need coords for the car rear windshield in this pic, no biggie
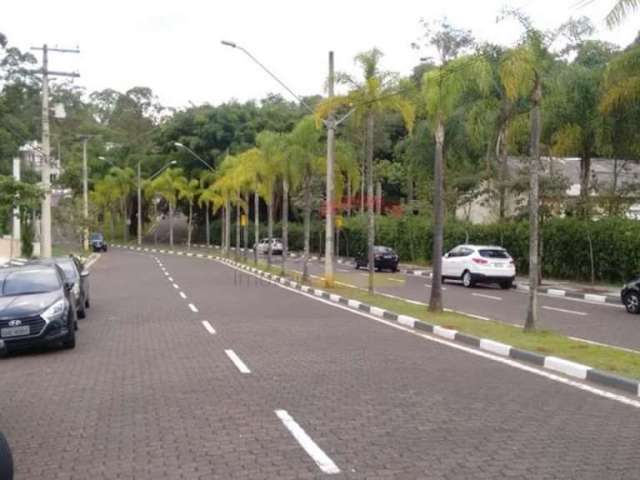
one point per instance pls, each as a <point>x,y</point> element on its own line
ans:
<point>493,253</point>
<point>97,236</point>
<point>383,250</point>
<point>29,282</point>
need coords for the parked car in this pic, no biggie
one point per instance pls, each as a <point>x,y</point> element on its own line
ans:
<point>630,296</point>
<point>385,258</point>
<point>479,264</point>
<point>36,308</point>
<point>75,273</point>
<point>263,246</point>
<point>6,460</point>
<point>97,242</point>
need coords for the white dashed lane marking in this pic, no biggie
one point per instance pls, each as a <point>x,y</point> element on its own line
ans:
<point>182,294</point>
<point>573,312</point>
<point>482,295</point>
<point>240,365</point>
<point>208,327</point>
<point>193,308</point>
<point>176,286</point>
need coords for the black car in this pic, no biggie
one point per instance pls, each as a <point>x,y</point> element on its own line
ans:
<point>36,308</point>
<point>75,273</point>
<point>384,258</point>
<point>97,242</point>
<point>630,296</point>
<point>6,460</point>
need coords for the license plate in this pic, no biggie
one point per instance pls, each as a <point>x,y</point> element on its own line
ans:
<point>14,331</point>
<point>498,265</point>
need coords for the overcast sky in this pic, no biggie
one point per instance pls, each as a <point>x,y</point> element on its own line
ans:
<point>174,46</point>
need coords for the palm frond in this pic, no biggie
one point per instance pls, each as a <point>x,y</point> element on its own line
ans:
<point>620,12</point>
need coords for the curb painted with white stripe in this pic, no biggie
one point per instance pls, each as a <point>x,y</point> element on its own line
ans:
<point>567,367</point>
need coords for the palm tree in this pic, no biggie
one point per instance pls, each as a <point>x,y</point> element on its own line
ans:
<point>522,74</point>
<point>206,178</point>
<point>442,91</point>
<point>188,190</point>
<point>622,80</point>
<point>270,144</point>
<point>377,93</point>
<point>224,186</point>
<point>212,201</point>
<point>166,185</point>
<point>306,147</point>
<point>123,178</point>
<point>620,11</point>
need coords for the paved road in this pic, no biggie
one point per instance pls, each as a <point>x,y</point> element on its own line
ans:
<point>150,393</point>
<point>609,324</point>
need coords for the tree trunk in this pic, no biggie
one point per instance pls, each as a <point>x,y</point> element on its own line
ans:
<point>435,301</point>
<point>125,233</point>
<point>533,307</point>
<point>307,227</point>
<point>269,229</point>
<point>371,219</point>
<point>502,171</point>
<point>285,224</point>
<point>348,195</point>
<point>227,225</point>
<point>245,228</point>
<point>222,229</point>
<point>585,177</point>
<point>236,253</point>
<point>207,224</point>
<point>171,212</point>
<point>256,219</point>
<point>362,185</point>
<point>189,225</point>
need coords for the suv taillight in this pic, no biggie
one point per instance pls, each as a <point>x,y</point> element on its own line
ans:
<point>479,261</point>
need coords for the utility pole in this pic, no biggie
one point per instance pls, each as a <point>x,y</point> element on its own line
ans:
<point>331,154</point>
<point>45,214</point>
<point>139,206</point>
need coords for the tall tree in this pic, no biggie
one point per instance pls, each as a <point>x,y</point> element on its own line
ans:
<point>375,93</point>
<point>166,185</point>
<point>188,190</point>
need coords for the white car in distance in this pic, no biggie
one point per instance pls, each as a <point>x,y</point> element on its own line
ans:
<point>479,264</point>
<point>276,246</point>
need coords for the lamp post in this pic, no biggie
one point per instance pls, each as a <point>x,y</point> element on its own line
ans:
<point>193,154</point>
<point>330,124</point>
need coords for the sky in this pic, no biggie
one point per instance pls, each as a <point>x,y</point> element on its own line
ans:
<point>174,47</point>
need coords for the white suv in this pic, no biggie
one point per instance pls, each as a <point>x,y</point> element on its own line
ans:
<point>276,246</point>
<point>479,264</point>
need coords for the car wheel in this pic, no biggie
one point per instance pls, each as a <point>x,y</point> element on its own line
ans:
<point>69,341</point>
<point>632,302</point>
<point>394,269</point>
<point>87,303</point>
<point>506,285</point>
<point>467,279</point>
<point>6,461</point>
<point>357,266</point>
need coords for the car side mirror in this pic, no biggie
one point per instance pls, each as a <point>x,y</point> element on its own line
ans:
<point>84,273</point>
<point>446,255</point>
<point>68,286</point>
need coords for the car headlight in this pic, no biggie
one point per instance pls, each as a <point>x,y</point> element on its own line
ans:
<point>55,311</point>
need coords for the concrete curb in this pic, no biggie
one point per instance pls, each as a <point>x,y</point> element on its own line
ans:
<point>555,364</point>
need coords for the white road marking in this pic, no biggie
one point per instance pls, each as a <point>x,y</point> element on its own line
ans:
<point>505,361</point>
<point>170,279</point>
<point>343,270</point>
<point>240,365</point>
<point>313,450</point>
<point>395,280</point>
<point>193,308</point>
<point>208,327</point>
<point>573,312</point>
<point>176,286</point>
<point>490,297</point>
<point>428,285</point>
<point>166,274</point>
<point>183,295</point>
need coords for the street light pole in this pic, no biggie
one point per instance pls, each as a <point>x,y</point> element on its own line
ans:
<point>331,153</point>
<point>85,195</point>
<point>194,154</point>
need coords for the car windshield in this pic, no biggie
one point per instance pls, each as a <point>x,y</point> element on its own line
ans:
<point>96,236</point>
<point>493,253</point>
<point>383,250</point>
<point>30,281</point>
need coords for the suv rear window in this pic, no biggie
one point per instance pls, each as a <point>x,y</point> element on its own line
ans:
<point>493,253</point>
